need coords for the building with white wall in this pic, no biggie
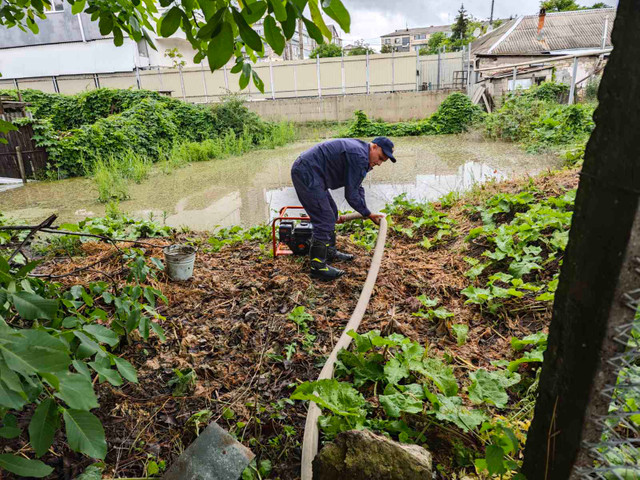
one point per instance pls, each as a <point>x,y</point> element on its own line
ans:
<point>69,44</point>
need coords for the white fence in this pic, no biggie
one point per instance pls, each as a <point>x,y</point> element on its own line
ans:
<point>393,72</point>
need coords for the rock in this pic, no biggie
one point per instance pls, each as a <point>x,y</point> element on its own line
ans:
<point>363,455</point>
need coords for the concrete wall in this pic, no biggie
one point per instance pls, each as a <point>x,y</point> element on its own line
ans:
<point>390,107</point>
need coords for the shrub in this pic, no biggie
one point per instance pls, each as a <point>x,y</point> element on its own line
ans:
<point>535,118</point>
<point>455,115</point>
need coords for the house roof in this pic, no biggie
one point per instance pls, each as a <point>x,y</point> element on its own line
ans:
<point>574,30</point>
<point>414,31</point>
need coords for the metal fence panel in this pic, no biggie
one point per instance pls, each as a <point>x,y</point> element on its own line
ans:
<point>297,78</point>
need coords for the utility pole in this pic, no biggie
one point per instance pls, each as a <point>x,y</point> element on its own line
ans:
<point>491,17</point>
<point>300,39</point>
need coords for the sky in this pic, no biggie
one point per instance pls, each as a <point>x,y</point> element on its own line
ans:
<point>372,18</point>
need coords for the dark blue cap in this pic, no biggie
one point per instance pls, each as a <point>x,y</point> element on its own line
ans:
<point>386,145</point>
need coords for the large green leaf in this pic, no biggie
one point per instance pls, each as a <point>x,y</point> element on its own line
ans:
<point>314,32</point>
<point>279,9</point>
<point>85,433</point>
<point>24,466</point>
<point>43,426</point>
<point>452,410</point>
<point>170,21</point>
<point>9,398</point>
<point>273,35</point>
<point>33,307</point>
<point>10,427</point>
<point>35,351</point>
<point>9,377</point>
<point>77,391</point>
<point>441,375</point>
<point>126,369</point>
<point>339,13</point>
<point>289,25</point>
<point>316,16</point>
<point>102,334</point>
<point>395,402</point>
<point>253,12</point>
<point>487,387</point>
<point>103,367</point>
<point>341,398</point>
<point>220,47</point>
<point>247,34</point>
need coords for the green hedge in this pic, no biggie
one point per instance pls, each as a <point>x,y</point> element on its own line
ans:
<point>535,118</point>
<point>454,115</point>
<point>78,130</point>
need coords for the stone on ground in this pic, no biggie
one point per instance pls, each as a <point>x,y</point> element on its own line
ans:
<point>363,455</point>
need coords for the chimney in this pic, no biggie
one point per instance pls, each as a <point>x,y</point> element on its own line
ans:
<point>541,17</point>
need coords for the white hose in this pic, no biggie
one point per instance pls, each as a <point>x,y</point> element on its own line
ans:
<point>311,434</point>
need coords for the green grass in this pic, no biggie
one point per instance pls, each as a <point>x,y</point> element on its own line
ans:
<point>109,181</point>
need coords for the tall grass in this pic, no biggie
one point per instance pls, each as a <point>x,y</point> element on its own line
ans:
<point>111,176</point>
<point>229,144</point>
<point>109,180</point>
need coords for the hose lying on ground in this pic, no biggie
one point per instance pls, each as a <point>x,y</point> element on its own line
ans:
<point>311,434</point>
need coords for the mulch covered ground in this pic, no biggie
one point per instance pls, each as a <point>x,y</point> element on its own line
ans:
<point>230,320</point>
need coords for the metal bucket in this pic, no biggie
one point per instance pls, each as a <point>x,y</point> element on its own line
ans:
<point>179,260</point>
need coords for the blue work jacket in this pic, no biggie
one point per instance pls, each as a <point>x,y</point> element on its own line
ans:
<point>343,162</point>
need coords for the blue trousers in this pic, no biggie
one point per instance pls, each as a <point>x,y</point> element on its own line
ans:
<point>316,200</point>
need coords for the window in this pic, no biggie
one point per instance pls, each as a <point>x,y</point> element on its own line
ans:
<point>397,41</point>
<point>405,40</point>
<point>57,6</point>
<point>387,41</point>
<point>420,36</point>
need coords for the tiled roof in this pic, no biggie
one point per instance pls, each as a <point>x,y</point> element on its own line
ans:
<point>414,31</point>
<point>580,29</point>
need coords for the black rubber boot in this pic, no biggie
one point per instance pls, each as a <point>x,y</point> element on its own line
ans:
<point>318,260</point>
<point>333,254</point>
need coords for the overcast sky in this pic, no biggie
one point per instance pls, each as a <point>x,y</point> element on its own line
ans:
<point>372,18</point>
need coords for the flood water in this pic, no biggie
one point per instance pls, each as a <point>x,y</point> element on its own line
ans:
<point>249,189</point>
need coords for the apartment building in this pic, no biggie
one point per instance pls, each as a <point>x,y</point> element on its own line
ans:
<point>292,47</point>
<point>412,39</point>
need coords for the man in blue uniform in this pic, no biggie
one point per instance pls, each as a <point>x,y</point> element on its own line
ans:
<point>343,162</point>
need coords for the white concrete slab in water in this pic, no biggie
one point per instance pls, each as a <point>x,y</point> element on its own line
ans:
<point>7,183</point>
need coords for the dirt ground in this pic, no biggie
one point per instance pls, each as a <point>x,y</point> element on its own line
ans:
<point>229,324</point>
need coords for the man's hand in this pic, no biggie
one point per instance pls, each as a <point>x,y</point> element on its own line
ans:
<point>341,219</point>
<point>376,217</point>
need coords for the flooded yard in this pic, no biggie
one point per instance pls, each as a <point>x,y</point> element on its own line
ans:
<point>247,190</point>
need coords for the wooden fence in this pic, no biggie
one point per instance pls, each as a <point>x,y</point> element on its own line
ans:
<point>34,158</point>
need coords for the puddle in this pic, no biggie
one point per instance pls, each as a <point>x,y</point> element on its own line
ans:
<point>247,190</point>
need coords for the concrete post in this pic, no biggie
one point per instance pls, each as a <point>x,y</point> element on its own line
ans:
<point>469,70</point>
<point>184,93</point>
<point>226,78</point>
<point>17,87</point>
<point>438,74</point>
<point>515,75</point>
<point>344,86</point>
<point>572,91</point>
<point>318,75</point>
<point>138,82</point>
<point>417,70</point>
<point>23,174</point>
<point>204,84</point>
<point>273,91</point>
<point>367,66</point>
<point>605,30</point>
<point>393,70</point>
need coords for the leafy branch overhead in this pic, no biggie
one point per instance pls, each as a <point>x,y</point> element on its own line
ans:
<point>217,30</point>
